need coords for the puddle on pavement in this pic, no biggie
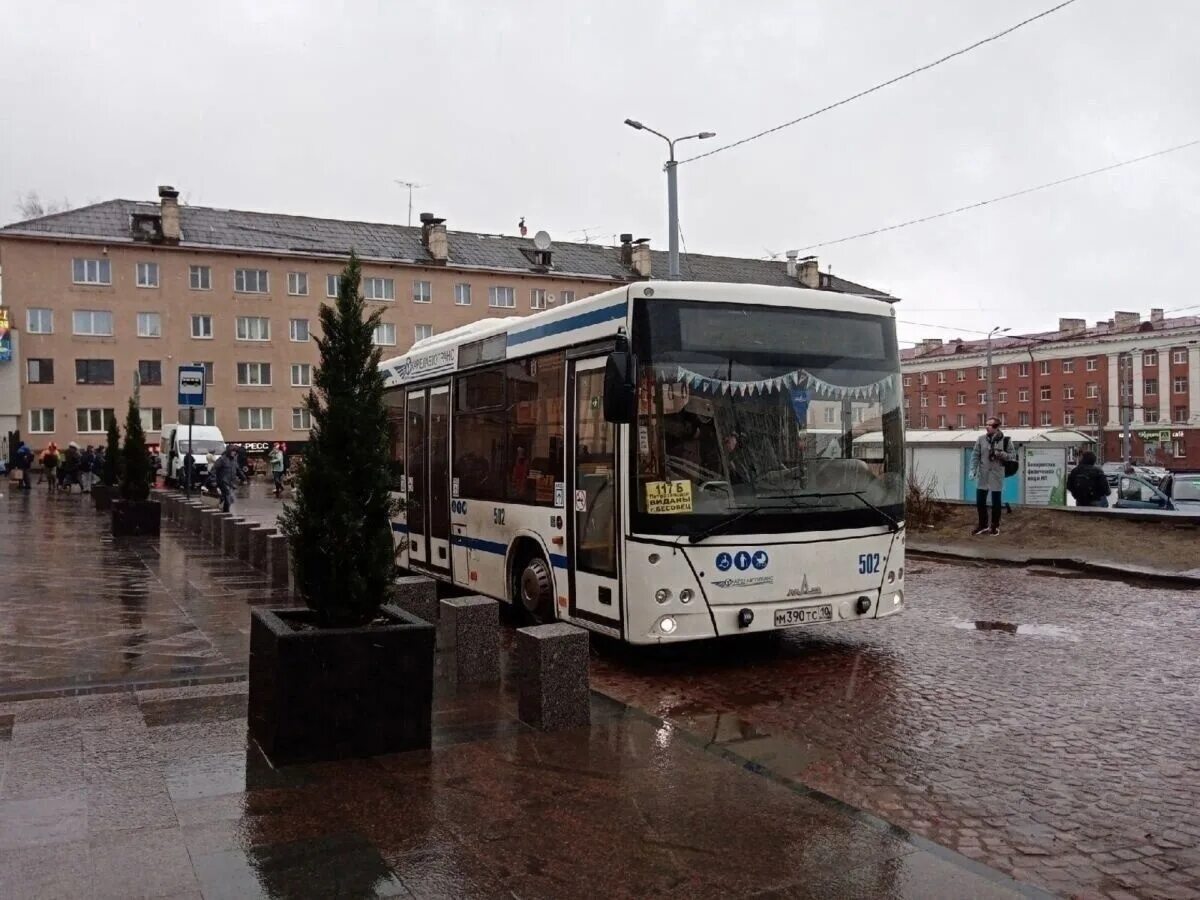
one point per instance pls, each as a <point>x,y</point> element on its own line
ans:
<point>1058,632</point>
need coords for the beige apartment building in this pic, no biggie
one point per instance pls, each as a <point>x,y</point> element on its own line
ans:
<point>126,291</point>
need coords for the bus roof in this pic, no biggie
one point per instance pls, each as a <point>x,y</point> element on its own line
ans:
<point>600,315</point>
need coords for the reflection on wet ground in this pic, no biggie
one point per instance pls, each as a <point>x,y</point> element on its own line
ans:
<point>1050,631</point>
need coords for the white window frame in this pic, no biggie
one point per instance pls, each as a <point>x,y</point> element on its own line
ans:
<point>1092,392</point>
<point>1068,366</point>
<point>1091,364</point>
<point>252,328</point>
<point>142,273</point>
<point>537,300</point>
<point>828,415</point>
<point>908,381</point>
<point>1091,417</point>
<point>1023,419</point>
<point>91,429</point>
<point>1178,356</point>
<point>566,297</point>
<point>462,294</point>
<point>242,285</point>
<point>983,396</point>
<point>297,284</point>
<point>1068,392</point>
<point>1022,395</point>
<point>42,312</point>
<point>422,291</point>
<point>1002,373</point>
<point>1180,415</point>
<point>382,328</point>
<point>962,420</point>
<point>292,330</point>
<point>941,377</point>
<point>960,375</point>
<point>1045,392</point>
<point>41,428</point>
<point>304,371</point>
<point>1047,418</point>
<point>148,333</point>
<point>982,373</point>
<point>500,291</point>
<point>1150,415</point>
<point>38,360</point>
<point>941,400</point>
<point>198,318</point>
<point>92,313</point>
<point>332,282</point>
<point>379,289</point>
<point>422,331</point>
<point>200,278</point>
<point>266,418</point>
<point>205,415</point>
<point>1022,370</point>
<point>244,378</point>
<point>1044,367</point>
<point>1179,385</point>
<point>148,424</point>
<point>1149,359</point>
<point>1150,386</point>
<point>301,418</point>
<point>961,399</point>
<point>95,271</point>
<point>1001,396</point>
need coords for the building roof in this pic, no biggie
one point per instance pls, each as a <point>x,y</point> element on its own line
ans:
<point>227,229</point>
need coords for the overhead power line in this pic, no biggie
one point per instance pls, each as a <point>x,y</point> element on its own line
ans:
<point>1020,193</point>
<point>881,85</point>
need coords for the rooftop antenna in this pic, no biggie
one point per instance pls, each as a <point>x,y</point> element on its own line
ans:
<point>411,185</point>
<point>587,238</point>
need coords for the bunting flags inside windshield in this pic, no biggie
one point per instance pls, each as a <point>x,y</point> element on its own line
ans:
<point>800,378</point>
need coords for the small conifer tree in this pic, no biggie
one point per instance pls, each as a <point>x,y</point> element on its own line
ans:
<point>110,471</point>
<point>135,460</point>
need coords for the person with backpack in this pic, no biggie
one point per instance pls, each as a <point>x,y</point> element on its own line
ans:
<point>993,459</point>
<point>1087,482</point>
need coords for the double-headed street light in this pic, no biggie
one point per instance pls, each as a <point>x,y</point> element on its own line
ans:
<point>672,190</point>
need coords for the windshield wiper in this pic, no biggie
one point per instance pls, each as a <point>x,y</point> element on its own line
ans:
<point>893,525</point>
<point>722,525</point>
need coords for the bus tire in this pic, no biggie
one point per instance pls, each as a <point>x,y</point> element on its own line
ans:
<point>535,589</point>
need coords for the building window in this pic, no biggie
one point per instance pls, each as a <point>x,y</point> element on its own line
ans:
<point>1180,385</point>
<point>422,292</point>
<point>1002,372</point>
<point>91,271</point>
<point>829,418</point>
<point>982,373</point>
<point>924,378</point>
<point>147,274</point>
<point>205,415</point>
<point>1150,414</point>
<point>1149,358</point>
<point>149,325</point>
<point>332,283</point>
<point>94,371</point>
<point>1069,417</point>
<point>256,418</point>
<point>41,421</point>
<point>39,320</point>
<point>506,298</point>
<point>379,289</point>
<point>1178,356</point>
<point>962,398</point>
<point>301,375</point>
<point>208,372</point>
<point>253,374</point>
<point>1092,417</point>
<point>566,297</point>
<point>961,374</point>
<point>941,377</point>
<point>1023,370</point>
<point>251,281</point>
<point>151,417</point>
<point>941,421</point>
<point>1180,448</point>
<point>150,371</point>
<point>1044,367</point>
<point>462,294</point>
<point>924,421</point>
<point>1068,366</point>
<point>297,284</point>
<point>1004,420</point>
<point>924,403</point>
<point>1023,419</point>
<point>1150,386</point>
<point>908,381</point>
<point>420,332</point>
<point>385,334</point>
<point>1091,364</point>
<point>979,419</point>
<point>301,418</point>
<point>1093,391</point>
<point>1181,414</point>
<point>537,298</point>
<point>983,396</point>
<point>1068,392</point>
<point>92,421</point>
<point>1023,395</point>
<point>39,371</point>
<point>93,322</point>
<point>253,328</point>
<point>1002,396</point>
<point>200,278</point>
<point>962,421</point>
<point>298,330</point>
<point>941,399</point>
<point>202,327</point>
<point>1046,393</point>
<point>1046,418</point>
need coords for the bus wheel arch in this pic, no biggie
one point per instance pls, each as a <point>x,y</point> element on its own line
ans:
<point>531,579</point>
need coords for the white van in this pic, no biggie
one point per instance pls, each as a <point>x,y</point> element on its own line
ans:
<point>175,446</point>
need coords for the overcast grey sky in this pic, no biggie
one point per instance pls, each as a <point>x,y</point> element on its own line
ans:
<point>509,109</point>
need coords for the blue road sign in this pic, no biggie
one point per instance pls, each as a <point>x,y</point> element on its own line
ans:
<point>191,385</point>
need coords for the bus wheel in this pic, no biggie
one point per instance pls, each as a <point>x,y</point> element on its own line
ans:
<point>535,588</point>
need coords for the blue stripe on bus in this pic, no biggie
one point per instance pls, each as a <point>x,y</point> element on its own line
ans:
<point>557,560</point>
<point>399,528</point>
<point>595,317</point>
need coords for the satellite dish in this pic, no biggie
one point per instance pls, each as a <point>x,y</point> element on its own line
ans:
<point>541,240</point>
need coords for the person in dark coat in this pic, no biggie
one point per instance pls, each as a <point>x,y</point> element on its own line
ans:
<point>1087,482</point>
<point>225,471</point>
<point>992,451</point>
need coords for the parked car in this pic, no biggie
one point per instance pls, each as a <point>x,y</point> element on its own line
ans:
<point>1177,494</point>
<point>1184,491</point>
<point>1113,471</point>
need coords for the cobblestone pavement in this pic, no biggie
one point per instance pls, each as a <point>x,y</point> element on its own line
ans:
<point>1047,726</point>
<point>82,610</point>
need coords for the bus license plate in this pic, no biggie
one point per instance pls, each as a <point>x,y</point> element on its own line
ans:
<point>806,616</point>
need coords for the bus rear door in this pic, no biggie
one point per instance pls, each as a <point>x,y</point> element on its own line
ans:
<point>428,468</point>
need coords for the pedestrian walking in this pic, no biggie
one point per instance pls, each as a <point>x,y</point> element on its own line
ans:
<point>990,459</point>
<point>50,462</point>
<point>243,462</point>
<point>87,469</point>
<point>276,459</point>
<point>68,469</point>
<point>1087,482</point>
<point>24,461</point>
<point>225,471</point>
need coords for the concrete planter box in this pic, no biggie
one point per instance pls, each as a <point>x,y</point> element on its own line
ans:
<point>319,694</point>
<point>136,518</point>
<point>102,496</point>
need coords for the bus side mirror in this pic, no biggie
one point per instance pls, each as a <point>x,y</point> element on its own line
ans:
<point>620,386</point>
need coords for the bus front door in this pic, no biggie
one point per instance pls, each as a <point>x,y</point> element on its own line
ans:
<point>428,467</point>
<point>595,593</point>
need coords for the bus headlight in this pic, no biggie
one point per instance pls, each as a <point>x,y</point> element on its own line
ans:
<point>897,599</point>
<point>662,595</point>
<point>686,595</point>
<point>667,625</point>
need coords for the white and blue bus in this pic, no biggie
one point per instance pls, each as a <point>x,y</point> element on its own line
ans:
<point>667,461</point>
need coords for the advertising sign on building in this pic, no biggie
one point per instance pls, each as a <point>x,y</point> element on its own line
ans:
<point>5,338</point>
<point>1045,476</point>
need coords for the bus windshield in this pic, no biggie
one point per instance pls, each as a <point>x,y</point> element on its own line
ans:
<point>764,419</point>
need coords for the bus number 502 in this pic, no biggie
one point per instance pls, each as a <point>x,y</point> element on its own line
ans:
<point>868,563</point>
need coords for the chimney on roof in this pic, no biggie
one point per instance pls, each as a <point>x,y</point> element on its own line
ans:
<point>1156,315</point>
<point>792,270</point>
<point>169,207</point>
<point>809,273</point>
<point>641,257</point>
<point>931,344</point>
<point>1127,319</point>
<point>627,250</point>
<point>433,236</point>
<point>1072,326</point>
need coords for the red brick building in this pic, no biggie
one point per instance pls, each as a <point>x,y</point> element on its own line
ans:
<point>1093,379</point>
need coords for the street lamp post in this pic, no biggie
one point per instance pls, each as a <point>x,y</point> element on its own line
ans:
<point>991,380</point>
<point>672,191</point>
